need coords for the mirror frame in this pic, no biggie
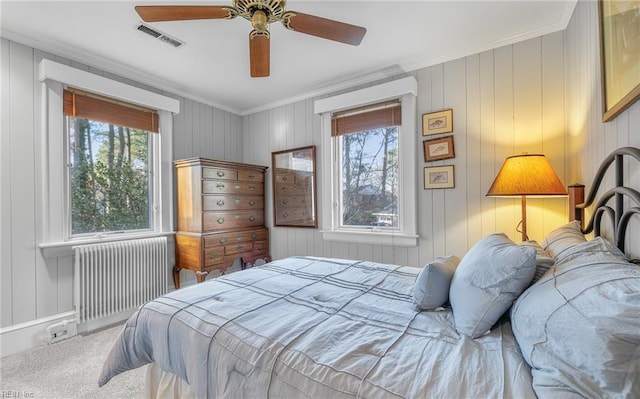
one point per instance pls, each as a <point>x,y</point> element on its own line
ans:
<point>294,187</point>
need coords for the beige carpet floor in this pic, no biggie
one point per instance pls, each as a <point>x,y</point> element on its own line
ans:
<point>68,369</point>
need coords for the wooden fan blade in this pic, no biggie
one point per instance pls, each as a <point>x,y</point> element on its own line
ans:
<point>259,49</point>
<point>322,27</point>
<point>182,13</point>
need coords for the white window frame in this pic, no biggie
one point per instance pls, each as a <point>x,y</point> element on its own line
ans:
<point>331,228</point>
<point>54,203</point>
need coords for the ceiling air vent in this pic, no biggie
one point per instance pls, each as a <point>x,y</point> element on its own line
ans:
<point>160,35</point>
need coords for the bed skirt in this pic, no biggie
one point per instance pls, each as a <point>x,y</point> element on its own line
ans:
<point>160,384</point>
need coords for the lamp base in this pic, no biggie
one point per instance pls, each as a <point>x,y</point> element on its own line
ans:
<point>523,222</point>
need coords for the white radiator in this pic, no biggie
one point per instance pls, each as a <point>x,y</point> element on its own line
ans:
<point>115,278</point>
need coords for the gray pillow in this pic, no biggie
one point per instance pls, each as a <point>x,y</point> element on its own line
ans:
<point>432,284</point>
<point>563,239</point>
<point>490,276</point>
<point>543,260</point>
<point>578,327</point>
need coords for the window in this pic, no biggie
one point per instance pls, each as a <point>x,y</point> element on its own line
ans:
<point>367,140</point>
<point>107,158</point>
<point>109,163</point>
<point>369,174</point>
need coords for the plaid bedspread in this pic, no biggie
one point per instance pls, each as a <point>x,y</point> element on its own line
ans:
<point>317,328</point>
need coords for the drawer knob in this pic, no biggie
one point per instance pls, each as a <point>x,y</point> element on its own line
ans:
<point>223,240</point>
<point>251,177</point>
<point>284,202</point>
<point>220,185</point>
<point>220,202</point>
<point>238,238</point>
<point>285,178</point>
<point>252,218</point>
<point>238,187</point>
<point>220,220</point>
<point>284,188</point>
<point>254,236</point>
<point>237,200</point>
<point>239,248</point>
<point>258,247</point>
<point>284,215</point>
<point>220,173</point>
<point>251,187</point>
<point>252,202</point>
<point>213,256</point>
<point>237,217</point>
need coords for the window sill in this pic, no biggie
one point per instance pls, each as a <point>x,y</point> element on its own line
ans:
<point>372,237</point>
<point>59,249</point>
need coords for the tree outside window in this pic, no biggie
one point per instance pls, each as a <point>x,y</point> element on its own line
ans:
<point>109,177</point>
<point>370,178</point>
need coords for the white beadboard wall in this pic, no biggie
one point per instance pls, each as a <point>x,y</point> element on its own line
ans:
<point>34,287</point>
<point>590,139</point>
<point>541,95</point>
<point>506,101</point>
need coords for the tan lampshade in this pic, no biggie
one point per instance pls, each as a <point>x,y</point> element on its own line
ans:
<point>526,174</point>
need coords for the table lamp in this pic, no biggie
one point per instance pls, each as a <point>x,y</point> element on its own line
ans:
<point>526,175</point>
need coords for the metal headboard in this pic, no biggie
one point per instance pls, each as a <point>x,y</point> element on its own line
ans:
<point>619,217</point>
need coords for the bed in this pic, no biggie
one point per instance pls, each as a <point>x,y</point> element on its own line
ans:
<point>555,319</point>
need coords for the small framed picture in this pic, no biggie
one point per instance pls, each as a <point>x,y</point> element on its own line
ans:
<point>437,122</point>
<point>437,149</point>
<point>439,177</point>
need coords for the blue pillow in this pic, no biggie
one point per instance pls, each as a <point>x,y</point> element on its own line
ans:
<point>543,260</point>
<point>489,278</point>
<point>578,327</point>
<point>432,284</point>
<point>563,239</point>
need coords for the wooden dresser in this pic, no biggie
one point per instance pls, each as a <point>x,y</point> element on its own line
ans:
<point>220,216</point>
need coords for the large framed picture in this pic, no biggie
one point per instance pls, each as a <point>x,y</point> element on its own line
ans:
<point>437,149</point>
<point>619,28</point>
<point>437,122</point>
<point>439,177</point>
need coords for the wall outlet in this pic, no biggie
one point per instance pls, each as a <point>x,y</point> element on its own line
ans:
<point>61,331</point>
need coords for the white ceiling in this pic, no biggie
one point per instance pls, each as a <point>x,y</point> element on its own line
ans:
<point>213,66</point>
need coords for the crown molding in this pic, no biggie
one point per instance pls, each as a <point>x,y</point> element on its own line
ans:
<point>110,66</point>
<point>403,66</point>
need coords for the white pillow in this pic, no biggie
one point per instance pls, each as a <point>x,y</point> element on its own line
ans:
<point>432,284</point>
<point>490,276</point>
<point>543,260</point>
<point>563,239</point>
<point>578,327</point>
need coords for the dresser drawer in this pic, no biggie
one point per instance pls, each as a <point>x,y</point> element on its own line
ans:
<point>260,248</point>
<point>291,214</point>
<point>229,202</point>
<point>232,187</point>
<point>250,175</point>
<point>231,238</point>
<point>291,189</point>
<point>219,173</point>
<point>288,178</point>
<point>232,219</point>
<point>293,201</point>
<point>238,248</point>
<point>213,256</point>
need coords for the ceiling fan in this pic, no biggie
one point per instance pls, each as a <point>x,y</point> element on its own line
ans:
<point>261,13</point>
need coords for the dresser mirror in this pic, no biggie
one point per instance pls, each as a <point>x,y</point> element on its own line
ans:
<point>294,187</point>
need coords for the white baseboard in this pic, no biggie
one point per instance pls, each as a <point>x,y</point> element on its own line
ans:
<point>20,337</point>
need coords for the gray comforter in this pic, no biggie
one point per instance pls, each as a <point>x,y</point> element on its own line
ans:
<point>317,328</point>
